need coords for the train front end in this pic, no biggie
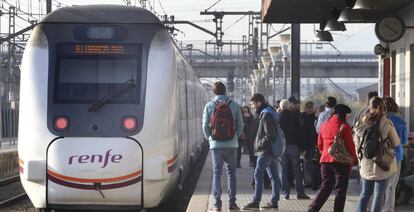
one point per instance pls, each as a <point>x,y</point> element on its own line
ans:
<point>82,103</point>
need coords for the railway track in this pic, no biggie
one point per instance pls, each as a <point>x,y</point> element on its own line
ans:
<point>15,197</point>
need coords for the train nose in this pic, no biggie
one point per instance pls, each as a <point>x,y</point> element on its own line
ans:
<point>93,172</point>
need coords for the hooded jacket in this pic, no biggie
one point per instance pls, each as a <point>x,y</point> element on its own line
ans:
<point>238,119</point>
<point>326,137</point>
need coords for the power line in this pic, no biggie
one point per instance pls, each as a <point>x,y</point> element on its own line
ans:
<point>213,5</point>
<point>162,8</point>
<point>237,21</point>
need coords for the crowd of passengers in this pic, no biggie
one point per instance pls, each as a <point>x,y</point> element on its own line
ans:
<point>280,138</point>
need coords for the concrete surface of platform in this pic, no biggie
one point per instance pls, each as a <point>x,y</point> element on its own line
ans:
<point>203,200</point>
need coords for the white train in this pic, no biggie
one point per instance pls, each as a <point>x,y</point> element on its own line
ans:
<point>110,110</point>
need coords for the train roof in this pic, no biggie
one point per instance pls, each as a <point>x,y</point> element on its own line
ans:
<point>101,14</point>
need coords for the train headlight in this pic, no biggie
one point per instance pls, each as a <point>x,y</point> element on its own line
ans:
<point>129,124</point>
<point>61,123</point>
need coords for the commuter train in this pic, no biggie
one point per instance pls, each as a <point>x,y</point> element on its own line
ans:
<point>110,111</point>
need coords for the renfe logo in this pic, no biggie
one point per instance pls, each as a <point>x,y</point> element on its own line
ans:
<point>96,158</point>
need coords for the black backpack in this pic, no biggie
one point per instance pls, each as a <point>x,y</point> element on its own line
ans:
<point>370,141</point>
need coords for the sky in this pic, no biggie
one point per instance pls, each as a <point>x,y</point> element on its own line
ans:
<point>358,37</point>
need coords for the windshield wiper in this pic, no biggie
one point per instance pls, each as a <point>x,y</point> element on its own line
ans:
<point>125,88</point>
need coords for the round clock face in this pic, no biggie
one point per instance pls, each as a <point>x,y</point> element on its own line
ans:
<point>390,29</point>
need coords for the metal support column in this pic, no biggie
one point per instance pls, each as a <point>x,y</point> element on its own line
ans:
<point>218,19</point>
<point>48,6</point>
<point>295,61</point>
<point>285,60</point>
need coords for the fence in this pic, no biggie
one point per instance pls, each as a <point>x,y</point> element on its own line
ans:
<point>9,126</point>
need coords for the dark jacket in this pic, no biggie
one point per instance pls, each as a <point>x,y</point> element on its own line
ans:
<point>309,136</point>
<point>266,133</point>
<point>290,125</point>
<point>246,128</point>
<point>253,127</point>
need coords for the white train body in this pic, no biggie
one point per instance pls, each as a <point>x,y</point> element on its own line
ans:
<point>129,152</point>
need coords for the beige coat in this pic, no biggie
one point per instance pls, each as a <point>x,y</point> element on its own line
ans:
<point>367,168</point>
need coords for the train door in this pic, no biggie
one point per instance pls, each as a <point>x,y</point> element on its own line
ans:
<point>190,112</point>
<point>196,115</point>
<point>183,123</point>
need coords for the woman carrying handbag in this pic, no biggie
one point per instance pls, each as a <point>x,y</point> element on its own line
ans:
<point>335,136</point>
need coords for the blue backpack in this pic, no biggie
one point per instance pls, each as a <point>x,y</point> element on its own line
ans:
<point>279,145</point>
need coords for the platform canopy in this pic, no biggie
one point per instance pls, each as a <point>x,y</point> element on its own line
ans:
<point>319,11</point>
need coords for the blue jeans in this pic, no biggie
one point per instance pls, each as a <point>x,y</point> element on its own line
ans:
<point>291,154</point>
<point>269,163</point>
<point>367,190</point>
<point>219,156</point>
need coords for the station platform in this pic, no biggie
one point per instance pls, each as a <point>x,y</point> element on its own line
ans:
<point>203,200</point>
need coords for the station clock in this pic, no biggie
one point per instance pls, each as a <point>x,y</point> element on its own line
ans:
<point>390,28</point>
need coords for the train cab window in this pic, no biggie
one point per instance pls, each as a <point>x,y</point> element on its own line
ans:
<point>86,73</point>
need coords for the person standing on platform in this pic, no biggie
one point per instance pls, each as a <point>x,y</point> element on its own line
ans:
<point>401,127</point>
<point>241,141</point>
<point>222,124</point>
<point>266,156</point>
<point>290,124</point>
<point>248,122</point>
<point>334,174</point>
<point>309,138</point>
<point>364,110</point>
<point>325,115</point>
<point>371,131</point>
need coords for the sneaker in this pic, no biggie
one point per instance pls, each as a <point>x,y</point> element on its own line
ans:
<point>303,196</point>
<point>270,205</point>
<point>252,206</point>
<point>234,207</point>
<point>286,196</point>
<point>215,209</point>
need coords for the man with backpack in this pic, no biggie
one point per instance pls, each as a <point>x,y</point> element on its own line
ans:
<point>222,125</point>
<point>269,145</point>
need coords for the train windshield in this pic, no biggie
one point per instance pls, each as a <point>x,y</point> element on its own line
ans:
<point>87,73</point>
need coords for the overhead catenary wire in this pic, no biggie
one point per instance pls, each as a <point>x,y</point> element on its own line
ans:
<point>213,5</point>
<point>162,8</point>
<point>237,21</point>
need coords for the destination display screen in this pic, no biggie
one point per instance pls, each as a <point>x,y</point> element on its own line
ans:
<point>98,49</point>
